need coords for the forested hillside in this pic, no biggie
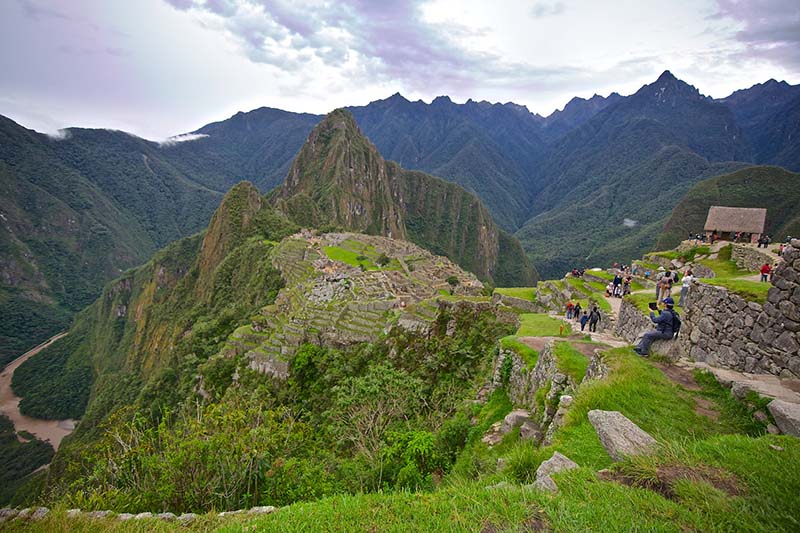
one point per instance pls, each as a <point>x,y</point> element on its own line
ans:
<point>75,212</point>
<point>607,187</point>
<point>774,188</point>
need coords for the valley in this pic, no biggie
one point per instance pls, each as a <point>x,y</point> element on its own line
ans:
<point>51,431</point>
<point>344,341</point>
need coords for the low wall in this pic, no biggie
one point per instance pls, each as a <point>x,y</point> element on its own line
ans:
<point>750,258</point>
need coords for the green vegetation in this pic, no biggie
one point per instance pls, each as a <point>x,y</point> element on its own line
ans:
<point>438,215</point>
<point>752,291</point>
<point>50,385</point>
<point>570,361</point>
<point>17,462</point>
<point>528,354</point>
<point>524,293</point>
<point>757,186</point>
<point>728,274</point>
<point>541,325</point>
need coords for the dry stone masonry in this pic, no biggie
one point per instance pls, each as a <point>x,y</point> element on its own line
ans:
<point>722,329</point>
<point>750,258</point>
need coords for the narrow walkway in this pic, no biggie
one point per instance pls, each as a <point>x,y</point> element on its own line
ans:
<point>49,430</point>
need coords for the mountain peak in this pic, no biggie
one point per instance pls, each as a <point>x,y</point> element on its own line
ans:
<point>667,76</point>
<point>444,99</point>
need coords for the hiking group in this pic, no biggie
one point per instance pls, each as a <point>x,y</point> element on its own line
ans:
<point>576,312</point>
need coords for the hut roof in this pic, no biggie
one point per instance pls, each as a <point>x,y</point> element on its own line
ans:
<point>747,219</point>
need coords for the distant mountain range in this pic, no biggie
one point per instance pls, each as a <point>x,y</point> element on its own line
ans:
<point>587,185</point>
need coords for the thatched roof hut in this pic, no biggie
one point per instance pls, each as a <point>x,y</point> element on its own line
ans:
<point>733,219</point>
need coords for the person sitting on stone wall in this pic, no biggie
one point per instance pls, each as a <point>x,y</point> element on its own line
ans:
<point>663,322</point>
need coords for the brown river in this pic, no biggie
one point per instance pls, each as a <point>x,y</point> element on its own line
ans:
<point>51,430</point>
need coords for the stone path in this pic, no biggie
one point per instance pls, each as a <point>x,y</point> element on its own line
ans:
<point>765,385</point>
<point>50,430</point>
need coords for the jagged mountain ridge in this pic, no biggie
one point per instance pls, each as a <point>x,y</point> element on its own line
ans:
<point>608,186</point>
<point>500,152</point>
<point>339,179</point>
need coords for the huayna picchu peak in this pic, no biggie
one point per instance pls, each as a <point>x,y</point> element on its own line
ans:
<point>339,180</point>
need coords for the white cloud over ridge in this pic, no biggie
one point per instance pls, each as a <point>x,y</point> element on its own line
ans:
<point>185,137</point>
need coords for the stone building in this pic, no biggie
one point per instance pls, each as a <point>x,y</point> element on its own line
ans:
<point>727,221</point>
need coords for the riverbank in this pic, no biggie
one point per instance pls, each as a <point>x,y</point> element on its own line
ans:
<point>48,430</point>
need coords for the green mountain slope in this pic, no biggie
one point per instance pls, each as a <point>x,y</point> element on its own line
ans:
<point>774,188</point>
<point>489,149</point>
<point>339,179</point>
<point>74,213</point>
<point>608,186</point>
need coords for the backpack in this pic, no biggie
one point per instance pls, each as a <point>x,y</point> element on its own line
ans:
<point>676,324</point>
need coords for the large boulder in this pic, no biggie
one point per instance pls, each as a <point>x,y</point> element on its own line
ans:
<point>619,436</point>
<point>786,415</point>
<point>557,463</point>
<point>515,418</point>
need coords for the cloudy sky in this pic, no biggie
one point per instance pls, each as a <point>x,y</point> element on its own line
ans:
<point>161,67</point>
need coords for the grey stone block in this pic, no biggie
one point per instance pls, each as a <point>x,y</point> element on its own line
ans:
<point>619,436</point>
<point>786,415</point>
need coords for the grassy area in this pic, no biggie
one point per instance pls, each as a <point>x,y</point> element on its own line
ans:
<point>727,274</point>
<point>640,300</point>
<point>524,293</point>
<point>343,255</point>
<point>541,325</point>
<point>528,354</point>
<point>752,291</point>
<point>570,361</point>
<point>358,254</point>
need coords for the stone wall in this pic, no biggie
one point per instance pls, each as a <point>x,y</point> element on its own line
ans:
<point>519,303</point>
<point>750,258</point>
<point>722,329</point>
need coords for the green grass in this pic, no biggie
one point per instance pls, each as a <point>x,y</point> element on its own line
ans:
<point>524,293</point>
<point>752,291</point>
<point>570,361</point>
<point>343,255</point>
<point>528,354</point>
<point>541,325</point>
<point>601,274</point>
<point>640,300</point>
<point>351,250</point>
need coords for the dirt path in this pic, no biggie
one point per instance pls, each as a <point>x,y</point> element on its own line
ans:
<point>51,430</point>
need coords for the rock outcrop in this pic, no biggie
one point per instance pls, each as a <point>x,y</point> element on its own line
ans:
<point>557,463</point>
<point>786,415</point>
<point>619,436</point>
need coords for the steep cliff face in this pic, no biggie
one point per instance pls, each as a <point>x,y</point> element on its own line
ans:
<point>340,180</point>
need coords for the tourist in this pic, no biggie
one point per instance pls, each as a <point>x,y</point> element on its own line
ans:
<point>626,286</point>
<point>594,318</point>
<point>687,281</point>
<point>584,320</point>
<point>576,312</point>
<point>665,286</point>
<point>766,270</point>
<point>617,281</point>
<point>664,328</point>
<point>570,307</point>
<point>658,280</point>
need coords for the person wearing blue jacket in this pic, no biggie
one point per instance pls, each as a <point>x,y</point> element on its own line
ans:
<point>663,322</point>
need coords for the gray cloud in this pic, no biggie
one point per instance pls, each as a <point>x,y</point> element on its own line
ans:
<point>771,29</point>
<point>38,12</point>
<point>390,40</point>
<point>547,9</point>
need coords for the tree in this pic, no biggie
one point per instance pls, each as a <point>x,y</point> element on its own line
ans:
<point>453,282</point>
